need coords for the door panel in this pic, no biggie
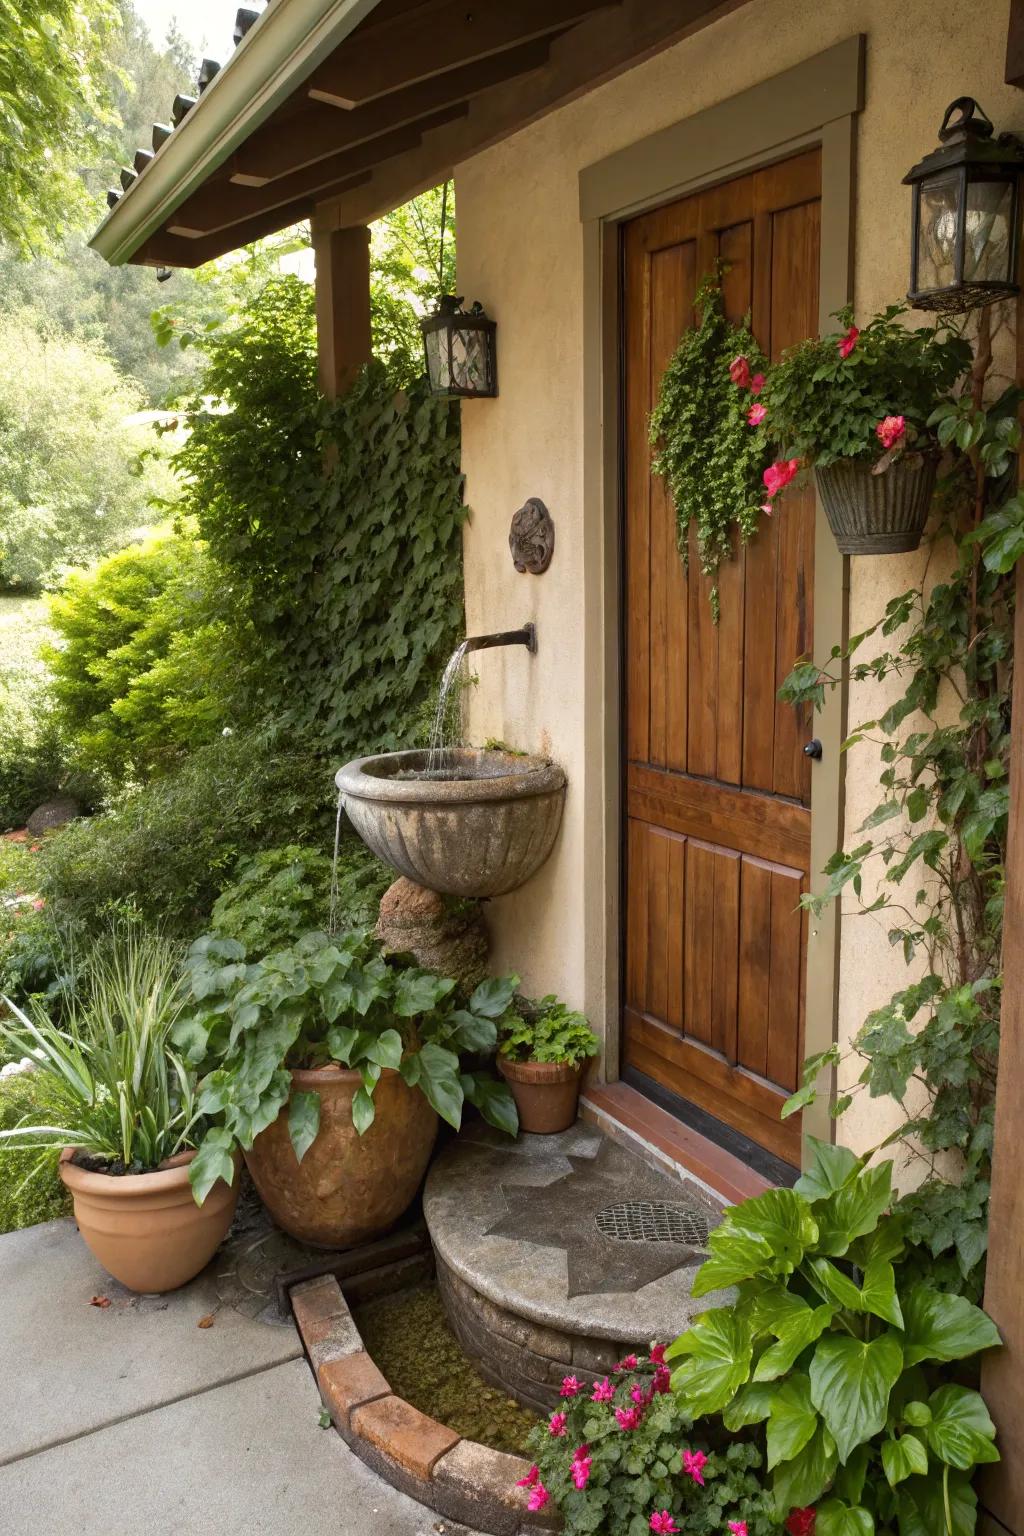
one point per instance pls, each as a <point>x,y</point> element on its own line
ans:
<point>717,786</point>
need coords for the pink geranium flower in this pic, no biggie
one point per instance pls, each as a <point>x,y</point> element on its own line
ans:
<point>581,1466</point>
<point>664,1524</point>
<point>757,384</point>
<point>778,475</point>
<point>556,1425</point>
<point>800,1522</point>
<point>571,1386</point>
<point>629,1418</point>
<point>539,1496</point>
<point>657,1354</point>
<point>890,430</point>
<point>756,415</point>
<point>739,372</point>
<point>630,1363</point>
<point>531,1479</point>
<point>738,1527</point>
<point>848,342</point>
<point>662,1381</point>
<point>693,1465</point>
<point>603,1391</point>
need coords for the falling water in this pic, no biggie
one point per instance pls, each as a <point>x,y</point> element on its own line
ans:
<point>332,925</point>
<point>442,735</point>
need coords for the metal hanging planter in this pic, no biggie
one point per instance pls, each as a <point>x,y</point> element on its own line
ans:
<point>878,514</point>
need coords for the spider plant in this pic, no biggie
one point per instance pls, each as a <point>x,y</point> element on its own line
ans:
<point>120,1093</point>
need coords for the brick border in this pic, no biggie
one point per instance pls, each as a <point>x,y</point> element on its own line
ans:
<point>459,1479</point>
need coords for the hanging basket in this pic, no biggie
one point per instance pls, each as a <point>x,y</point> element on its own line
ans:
<point>878,514</point>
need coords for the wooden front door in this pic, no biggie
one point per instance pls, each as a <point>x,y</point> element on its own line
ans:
<point>717,786</point>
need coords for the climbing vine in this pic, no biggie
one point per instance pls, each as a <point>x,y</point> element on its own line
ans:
<point>709,447</point>
<point>933,848</point>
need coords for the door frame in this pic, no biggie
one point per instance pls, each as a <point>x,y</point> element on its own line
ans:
<point>814,103</point>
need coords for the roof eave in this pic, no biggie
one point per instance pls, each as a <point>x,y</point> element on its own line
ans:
<point>287,43</point>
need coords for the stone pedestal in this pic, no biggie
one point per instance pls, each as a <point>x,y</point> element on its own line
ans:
<point>444,934</point>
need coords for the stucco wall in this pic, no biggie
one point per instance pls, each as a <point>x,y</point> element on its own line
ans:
<point>521,254</point>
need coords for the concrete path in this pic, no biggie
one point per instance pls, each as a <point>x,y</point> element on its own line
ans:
<point>132,1419</point>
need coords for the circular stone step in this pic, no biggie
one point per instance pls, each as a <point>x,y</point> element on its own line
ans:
<point>557,1255</point>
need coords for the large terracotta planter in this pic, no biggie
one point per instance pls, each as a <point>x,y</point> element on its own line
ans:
<point>348,1187</point>
<point>145,1228</point>
<point>546,1093</point>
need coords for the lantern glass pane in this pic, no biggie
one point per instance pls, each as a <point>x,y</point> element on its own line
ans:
<point>437,359</point>
<point>938,221</point>
<point>987,242</point>
<point>469,359</point>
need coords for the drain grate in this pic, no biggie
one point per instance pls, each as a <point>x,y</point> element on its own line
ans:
<point>654,1221</point>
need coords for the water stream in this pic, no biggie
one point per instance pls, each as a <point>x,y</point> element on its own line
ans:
<point>445,733</point>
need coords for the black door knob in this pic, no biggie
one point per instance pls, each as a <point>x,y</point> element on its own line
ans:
<point>813,749</point>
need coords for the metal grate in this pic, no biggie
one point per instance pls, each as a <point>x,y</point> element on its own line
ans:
<point>654,1221</point>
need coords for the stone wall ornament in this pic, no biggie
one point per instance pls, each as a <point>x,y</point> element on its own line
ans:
<point>532,537</point>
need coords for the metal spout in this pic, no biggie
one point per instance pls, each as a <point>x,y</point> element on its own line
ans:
<point>526,636</point>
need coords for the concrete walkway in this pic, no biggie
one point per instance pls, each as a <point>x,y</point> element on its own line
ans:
<point>135,1420</point>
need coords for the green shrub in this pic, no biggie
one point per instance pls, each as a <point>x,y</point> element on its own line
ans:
<point>277,895</point>
<point>30,949</point>
<point>30,1190</point>
<point>166,850</point>
<point>31,759</point>
<point>546,1030</point>
<point>138,667</point>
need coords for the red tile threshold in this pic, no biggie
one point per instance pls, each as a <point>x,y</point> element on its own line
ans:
<point>692,1152</point>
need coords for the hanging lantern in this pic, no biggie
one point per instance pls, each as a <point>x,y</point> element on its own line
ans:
<point>964,241</point>
<point>461,353</point>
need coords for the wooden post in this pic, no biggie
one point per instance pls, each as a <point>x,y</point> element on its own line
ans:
<point>342,305</point>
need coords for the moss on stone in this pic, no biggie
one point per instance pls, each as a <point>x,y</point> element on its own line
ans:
<point>409,1338</point>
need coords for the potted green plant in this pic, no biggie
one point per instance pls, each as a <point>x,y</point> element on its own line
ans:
<point>125,1115</point>
<point>856,405</point>
<point>328,1065</point>
<point>541,1050</point>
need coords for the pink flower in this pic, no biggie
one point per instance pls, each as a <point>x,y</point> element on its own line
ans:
<point>630,1363</point>
<point>531,1479</point>
<point>800,1522</point>
<point>778,475</point>
<point>603,1391</point>
<point>581,1466</point>
<point>739,372</point>
<point>664,1524</point>
<point>766,506</point>
<point>756,415</point>
<point>629,1418</point>
<point>38,904</point>
<point>556,1425</point>
<point>890,430</point>
<point>638,1395</point>
<point>570,1386</point>
<point>738,1527</point>
<point>848,342</point>
<point>693,1465</point>
<point>662,1380</point>
<point>757,384</point>
<point>657,1354</point>
<point>539,1496</point>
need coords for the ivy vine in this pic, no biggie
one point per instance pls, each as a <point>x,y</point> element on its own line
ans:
<point>707,451</point>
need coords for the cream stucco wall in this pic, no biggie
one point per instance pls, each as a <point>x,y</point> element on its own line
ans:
<point>521,253</point>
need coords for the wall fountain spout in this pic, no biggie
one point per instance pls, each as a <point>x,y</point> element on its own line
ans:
<point>526,636</point>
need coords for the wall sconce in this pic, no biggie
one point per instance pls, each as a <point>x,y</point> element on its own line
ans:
<point>461,351</point>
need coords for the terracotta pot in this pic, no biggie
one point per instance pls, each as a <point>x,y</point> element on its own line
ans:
<point>145,1228</point>
<point>546,1093</point>
<point>347,1187</point>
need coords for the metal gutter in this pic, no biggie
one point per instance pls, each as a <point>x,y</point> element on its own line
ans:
<point>284,46</point>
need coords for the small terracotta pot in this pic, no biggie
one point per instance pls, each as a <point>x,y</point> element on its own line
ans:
<point>348,1187</point>
<point>145,1228</point>
<point>546,1093</point>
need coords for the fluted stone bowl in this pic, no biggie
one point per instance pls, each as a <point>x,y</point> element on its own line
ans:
<point>482,831</point>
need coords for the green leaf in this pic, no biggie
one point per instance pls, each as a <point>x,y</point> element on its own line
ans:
<point>834,1518</point>
<point>793,1338</point>
<point>831,1168</point>
<point>303,1121</point>
<point>719,1347</point>
<point>363,1110</point>
<point>917,1413</point>
<point>853,1210</point>
<point>961,1433</point>
<point>470,1033</point>
<point>418,992</point>
<point>214,1160</point>
<point>943,1327</point>
<point>850,1479</point>
<point>340,1040</point>
<point>800,1482</point>
<point>903,1458</point>
<point>735,1256</point>
<point>921,1503</point>
<point>493,1100</point>
<point>493,997</point>
<point>783,1219</point>
<point>751,1405</point>
<point>850,1385</point>
<point>386,1050</point>
<point>439,1080</point>
<point>835,1285</point>
<point>792,1420</point>
<point>878,1293</point>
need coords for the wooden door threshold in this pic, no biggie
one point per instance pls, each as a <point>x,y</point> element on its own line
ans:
<point>628,1117</point>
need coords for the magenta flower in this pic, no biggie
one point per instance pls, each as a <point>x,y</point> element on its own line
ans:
<point>664,1524</point>
<point>848,342</point>
<point>556,1425</point>
<point>778,475</point>
<point>657,1354</point>
<point>738,1527</point>
<point>662,1380</point>
<point>539,1496</point>
<point>693,1466</point>
<point>757,384</point>
<point>531,1479</point>
<point>756,415</point>
<point>571,1386</point>
<point>639,1395</point>
<point>630,1363</point>
<point>581,1466</point>
<point>739,372</point>
<point>890,430</point>
<point>603,1391</point>
<point>629,1418</point>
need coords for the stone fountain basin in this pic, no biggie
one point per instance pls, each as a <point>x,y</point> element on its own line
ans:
<point>482,832</point>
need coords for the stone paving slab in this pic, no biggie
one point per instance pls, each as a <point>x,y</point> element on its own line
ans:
<point>68,1367</point>
<point>244,1459</point>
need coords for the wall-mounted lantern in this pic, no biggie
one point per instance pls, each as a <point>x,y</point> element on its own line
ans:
<point>964,240</point>
<point>461,351</point>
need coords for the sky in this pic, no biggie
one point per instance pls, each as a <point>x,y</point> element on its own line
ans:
<point>207,24</point>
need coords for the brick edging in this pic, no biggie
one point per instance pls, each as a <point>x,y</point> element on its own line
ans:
<point>457,1478</point>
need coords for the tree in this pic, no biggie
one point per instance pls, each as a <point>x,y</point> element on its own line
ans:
<point>412,262</point>
<point>55,111</point>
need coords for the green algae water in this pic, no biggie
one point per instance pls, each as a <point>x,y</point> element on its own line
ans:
<point>409,1338</point>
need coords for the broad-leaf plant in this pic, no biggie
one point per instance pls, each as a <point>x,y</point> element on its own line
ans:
<point>329,999</point>
<point>842,1350</point>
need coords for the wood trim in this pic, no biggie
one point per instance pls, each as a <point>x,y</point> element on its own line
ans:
<point>714,813</point>
<point>1015,45</point>
<point>342,306</point>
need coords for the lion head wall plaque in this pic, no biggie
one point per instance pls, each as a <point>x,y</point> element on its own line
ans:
<point>531,537</point>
